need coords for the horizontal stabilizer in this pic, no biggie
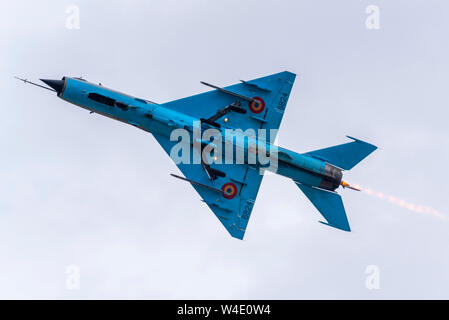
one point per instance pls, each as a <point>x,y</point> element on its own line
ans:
<point>346,155</point>
<point>329,204</point>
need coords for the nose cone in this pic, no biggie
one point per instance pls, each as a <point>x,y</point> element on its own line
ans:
<point>55,84</point>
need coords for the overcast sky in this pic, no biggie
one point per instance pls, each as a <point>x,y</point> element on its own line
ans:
<point>86,191</point>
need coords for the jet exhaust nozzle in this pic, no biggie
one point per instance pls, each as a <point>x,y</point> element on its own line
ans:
<point>347,185</point>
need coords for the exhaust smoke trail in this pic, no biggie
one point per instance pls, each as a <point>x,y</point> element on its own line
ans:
<point>403,203</point>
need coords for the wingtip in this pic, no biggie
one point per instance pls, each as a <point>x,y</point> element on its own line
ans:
<point>288,76</point>
<point>342,228</point>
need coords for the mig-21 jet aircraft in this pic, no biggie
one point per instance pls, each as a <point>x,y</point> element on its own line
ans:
<point>222,142</point>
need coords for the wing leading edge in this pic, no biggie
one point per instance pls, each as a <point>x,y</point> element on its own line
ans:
<point>273,91</point>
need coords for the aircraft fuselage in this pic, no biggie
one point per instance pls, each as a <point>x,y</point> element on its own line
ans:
<point>159,120</point>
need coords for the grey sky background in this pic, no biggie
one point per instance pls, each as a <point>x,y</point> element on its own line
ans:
<point>80,189</point>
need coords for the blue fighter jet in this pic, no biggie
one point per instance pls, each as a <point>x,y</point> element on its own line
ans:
<point>229,186</point>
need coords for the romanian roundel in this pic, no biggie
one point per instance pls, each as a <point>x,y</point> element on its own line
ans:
<point>229,190</point>
<point>257,105</point>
